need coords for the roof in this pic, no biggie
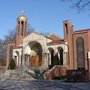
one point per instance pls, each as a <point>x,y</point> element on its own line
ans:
<point>22,16</point>
<point>54,37</point>
<point>82,30</point>
<point>56,42</point>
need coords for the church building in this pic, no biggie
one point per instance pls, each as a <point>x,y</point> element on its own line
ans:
<point>37,50</point>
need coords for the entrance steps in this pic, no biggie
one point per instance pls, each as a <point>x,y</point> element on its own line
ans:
<point>19,73</point>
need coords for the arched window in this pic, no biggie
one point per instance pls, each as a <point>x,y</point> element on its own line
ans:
<point>80,53</point>
<point>66,28</point>
<point>22,27</point>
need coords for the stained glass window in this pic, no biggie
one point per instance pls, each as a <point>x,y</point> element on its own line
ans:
<point>80,53</point>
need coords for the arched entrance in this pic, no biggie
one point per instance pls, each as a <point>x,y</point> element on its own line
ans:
<point>35,54</point>
<point>80,53</point>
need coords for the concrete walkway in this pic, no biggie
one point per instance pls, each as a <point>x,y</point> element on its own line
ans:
<point>42,85</point>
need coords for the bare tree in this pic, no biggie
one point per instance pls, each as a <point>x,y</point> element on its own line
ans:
<point>80,5</point>
<point>10,35</point>
<point>30,29</point>
<point>2,52</point>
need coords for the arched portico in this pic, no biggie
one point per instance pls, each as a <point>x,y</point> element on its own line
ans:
<point>57,55</point>
<point>17,56</point>
<point>36,54</point>
<point>33,54</point>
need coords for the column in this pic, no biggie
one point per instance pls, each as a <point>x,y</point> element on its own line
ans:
<point>19,61</point>
<point>89,64</point>
<point>23,60</point>
<point>64,59</point>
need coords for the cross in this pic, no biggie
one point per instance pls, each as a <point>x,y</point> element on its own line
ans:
<point>22,12</point>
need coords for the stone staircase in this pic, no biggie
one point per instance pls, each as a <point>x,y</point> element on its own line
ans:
<point>23,73</point>
<point>19,73</point>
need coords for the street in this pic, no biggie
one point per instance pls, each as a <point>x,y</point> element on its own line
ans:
<point>42,85</point>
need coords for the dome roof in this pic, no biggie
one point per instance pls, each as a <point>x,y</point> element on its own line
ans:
<point>22,17</point>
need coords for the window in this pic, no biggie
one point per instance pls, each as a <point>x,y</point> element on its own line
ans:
<point>80,53</point>
<point>66,28</point>
<point>22,28</point>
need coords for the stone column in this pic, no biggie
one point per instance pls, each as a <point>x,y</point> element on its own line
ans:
<point>28,60</point>
<point>20,57</point>
<point>64,58</point>
<point>49,58</point>
<point>89,64</point>
<point>19,60</point>
<point>23,60</point>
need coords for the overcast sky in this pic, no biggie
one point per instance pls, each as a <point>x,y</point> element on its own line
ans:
<point>45,16</point>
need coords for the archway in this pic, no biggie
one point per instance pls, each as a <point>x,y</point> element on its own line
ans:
<point>35,54</point>
<point>80,53</point>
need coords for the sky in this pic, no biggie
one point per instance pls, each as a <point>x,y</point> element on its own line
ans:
<point>45,16</point>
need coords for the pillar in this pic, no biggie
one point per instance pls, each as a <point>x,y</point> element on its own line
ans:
<point>89,64</point>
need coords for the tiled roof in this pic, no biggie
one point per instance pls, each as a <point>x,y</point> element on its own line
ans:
<point>54,37</point>
<point>82,30</point>
<point>56,42</point>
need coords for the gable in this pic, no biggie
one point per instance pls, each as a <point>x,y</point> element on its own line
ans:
<point>54,37</point>
<point>34,36</point>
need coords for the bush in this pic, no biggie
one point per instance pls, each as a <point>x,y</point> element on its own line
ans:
<point>56,60</point>
<point>76,75</point>
<point>12,65</point>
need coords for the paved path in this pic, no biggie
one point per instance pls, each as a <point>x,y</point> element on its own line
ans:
<point>42,85</point>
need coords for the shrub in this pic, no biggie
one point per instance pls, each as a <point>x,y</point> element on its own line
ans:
<point>76,75</point>
<point>12,64</point>
<point>56,60</point>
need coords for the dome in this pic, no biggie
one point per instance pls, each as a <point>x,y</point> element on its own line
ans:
<point>22,17</point>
